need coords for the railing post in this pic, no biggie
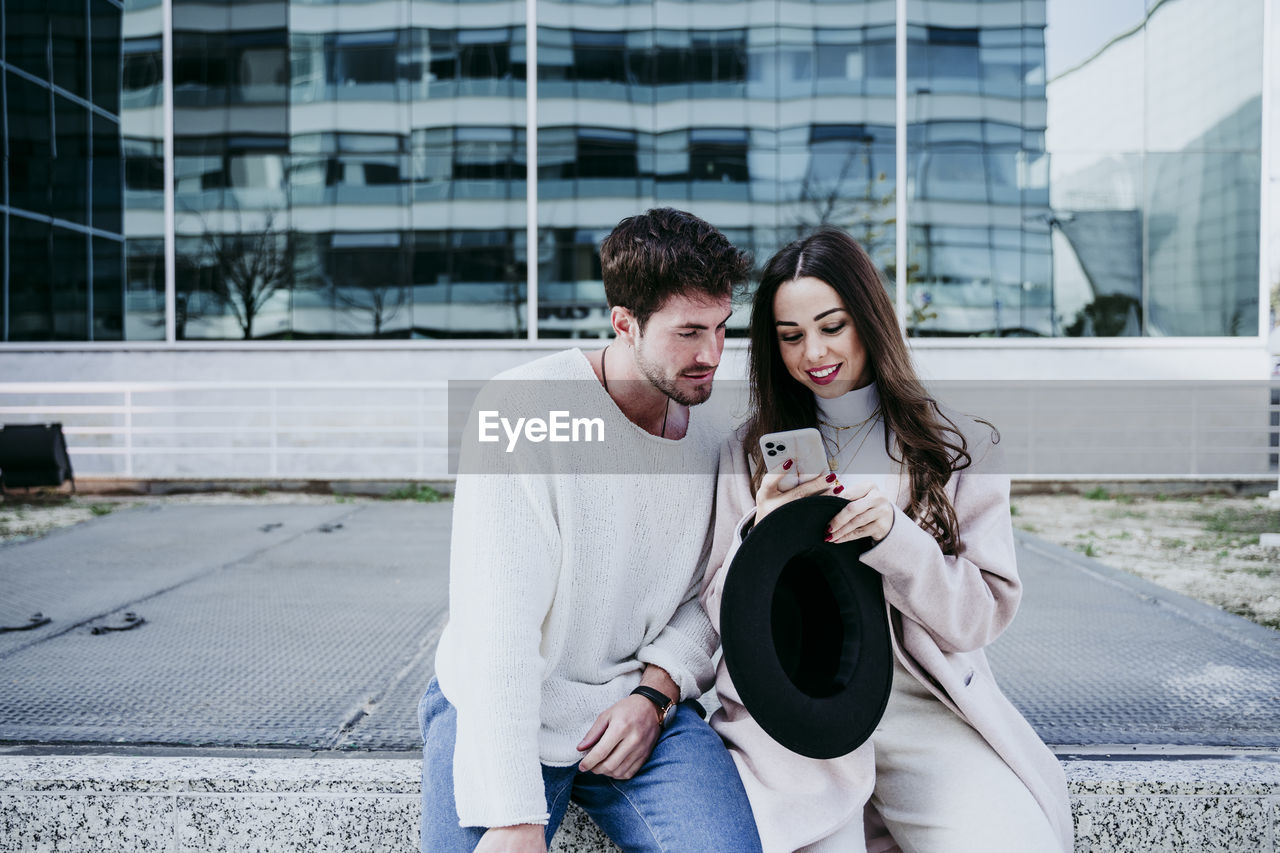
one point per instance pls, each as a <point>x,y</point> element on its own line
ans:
<point>128,434</point>
<point>1032,391</point>
<point>1195,430</point>
<point>275,432</point>
<point>422,426</point>
<point>1273,426</point>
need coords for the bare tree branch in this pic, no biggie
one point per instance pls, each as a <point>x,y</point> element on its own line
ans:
<point>246,269</point>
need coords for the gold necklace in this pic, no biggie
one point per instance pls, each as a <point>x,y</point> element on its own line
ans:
<point>833,457</point>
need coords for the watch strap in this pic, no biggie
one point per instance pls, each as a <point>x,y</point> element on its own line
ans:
<point>661,701</point>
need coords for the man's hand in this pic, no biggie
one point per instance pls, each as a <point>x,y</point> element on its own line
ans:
<point>523,838</point>
<point>621,739</point>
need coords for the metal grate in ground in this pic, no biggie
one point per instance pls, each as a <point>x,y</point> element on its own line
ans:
<point>282,646</point>
<point>319,636</point>
<point>1098,656</point>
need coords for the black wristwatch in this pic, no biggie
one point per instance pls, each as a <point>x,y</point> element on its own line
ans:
<point>660,700</point>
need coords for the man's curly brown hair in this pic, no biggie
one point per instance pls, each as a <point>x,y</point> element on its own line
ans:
<point>665,252</point>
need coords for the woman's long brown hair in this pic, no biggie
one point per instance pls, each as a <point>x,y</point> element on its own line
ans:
<point>932,446</point>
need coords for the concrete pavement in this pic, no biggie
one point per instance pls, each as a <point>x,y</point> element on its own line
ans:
<point>314,626</point>
<point>310,629</point>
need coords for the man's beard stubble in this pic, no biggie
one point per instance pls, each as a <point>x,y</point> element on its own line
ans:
<point>669,386</point>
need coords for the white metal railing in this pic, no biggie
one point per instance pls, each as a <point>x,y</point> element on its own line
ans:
<point>400,430</point>
<point>254,430</point>
<point>1129,430</point>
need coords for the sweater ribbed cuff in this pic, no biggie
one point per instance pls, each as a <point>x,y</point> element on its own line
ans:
<point>674,656</point>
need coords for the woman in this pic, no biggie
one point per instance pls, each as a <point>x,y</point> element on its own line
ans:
<point>952,765</point>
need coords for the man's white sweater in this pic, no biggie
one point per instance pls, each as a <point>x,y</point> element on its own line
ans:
<point>562,588</point>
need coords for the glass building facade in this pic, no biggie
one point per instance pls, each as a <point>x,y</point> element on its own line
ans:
<point>358,169</point>
<point>63,245</point>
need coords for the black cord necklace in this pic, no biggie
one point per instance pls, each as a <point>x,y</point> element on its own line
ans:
<point>604,378</point>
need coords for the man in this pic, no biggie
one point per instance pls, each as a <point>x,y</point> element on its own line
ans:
<point>575,630</point>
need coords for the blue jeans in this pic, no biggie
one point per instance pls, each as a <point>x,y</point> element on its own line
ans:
<point>686,797</point>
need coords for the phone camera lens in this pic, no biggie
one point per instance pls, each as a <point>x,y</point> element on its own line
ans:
<point>782,447</point>
<point>769,444</point>
<point>773,453</point>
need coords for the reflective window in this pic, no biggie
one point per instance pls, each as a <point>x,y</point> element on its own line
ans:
<point>201,72</point>
<point>63,199</point>
<point>69,285</point>
<point>847,181</point>
<point>144,291</point>
<point>236,282</point>
<point>432,163</point>
<point>105,61</point>
<point>31,302</point>
<point>840,61</point>
<point>351,168</point>
<point>628,64</point>
<point>26,38</point>
<point>30,130</point>
<point>141,147</point>
<point>604,153</point>
<point>4,264</point>
<point>70,178</point>
<point>978,245</point>
<point>259,67</point>
<point>1153,168</point>
<point>108,289</point>
<point>951,56</point>
<point>107,174</point>
<point>356,285</point>
<point>484,54</point>
<point>468,283</point>
<point>69,45</point>
<point>143,172</point>
<point>601,57</point>
<point>376,200</point>
<point>718,62</point>
<point>1202,235</point>
<point>361,65</point>
<point>483,160</point>
<point>142,73</point>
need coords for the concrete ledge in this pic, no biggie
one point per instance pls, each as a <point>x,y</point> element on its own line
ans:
<point>110,804</point>
<point>1025,485</point>
<point>148,487</point>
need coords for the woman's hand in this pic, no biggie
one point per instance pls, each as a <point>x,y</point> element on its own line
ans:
<point>869,513</point>
<point>772,494</point>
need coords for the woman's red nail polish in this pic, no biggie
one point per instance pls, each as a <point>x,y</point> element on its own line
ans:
<point>837,490</point>
<point>828,537</point>
<point>786,465</point>
<point>831,477</point>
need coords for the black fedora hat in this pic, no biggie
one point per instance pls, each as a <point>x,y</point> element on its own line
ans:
<point>805,632</point>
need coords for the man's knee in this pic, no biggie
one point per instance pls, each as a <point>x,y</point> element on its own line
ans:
<point>692,779</point>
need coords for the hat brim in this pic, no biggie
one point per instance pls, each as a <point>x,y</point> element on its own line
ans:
<point>805,632</point>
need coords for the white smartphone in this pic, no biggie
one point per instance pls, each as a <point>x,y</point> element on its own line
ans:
<point>802,445</point>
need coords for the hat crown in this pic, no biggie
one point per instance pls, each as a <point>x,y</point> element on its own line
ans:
<point>816,631</point>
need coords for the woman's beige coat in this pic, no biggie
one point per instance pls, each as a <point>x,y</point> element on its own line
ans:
<point>943,611</point>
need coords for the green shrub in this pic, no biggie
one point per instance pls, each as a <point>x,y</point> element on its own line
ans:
<point>415,492</point>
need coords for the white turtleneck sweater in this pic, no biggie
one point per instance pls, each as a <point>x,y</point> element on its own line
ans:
<point>859,451</point>
<point>562,587</point>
